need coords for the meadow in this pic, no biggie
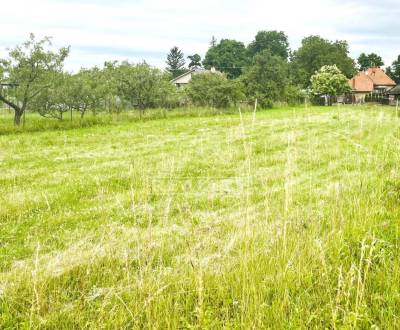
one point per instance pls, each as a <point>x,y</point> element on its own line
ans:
<point>280,219</point>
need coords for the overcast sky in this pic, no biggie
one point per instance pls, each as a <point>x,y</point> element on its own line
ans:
<point>100,30</point>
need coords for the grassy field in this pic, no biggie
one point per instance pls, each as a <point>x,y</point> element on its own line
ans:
<point>284,219</point>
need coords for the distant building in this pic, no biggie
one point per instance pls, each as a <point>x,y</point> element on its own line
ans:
<point>185,78</point>
<point>374,80</point>
<point>394,95</point>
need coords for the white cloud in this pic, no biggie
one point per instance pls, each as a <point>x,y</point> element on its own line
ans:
<point>100,30</point>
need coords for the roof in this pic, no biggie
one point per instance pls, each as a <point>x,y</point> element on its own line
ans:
<point>362,83</point>
<point>194,70</point>
<point>379,77</point>
<point>394,91</point>
<point>366,81</point>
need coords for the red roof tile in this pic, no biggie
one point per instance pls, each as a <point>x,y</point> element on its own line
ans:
<point>379,77</point>
<point>362,83</point>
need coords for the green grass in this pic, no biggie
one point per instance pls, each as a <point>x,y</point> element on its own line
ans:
<point>283,220</point>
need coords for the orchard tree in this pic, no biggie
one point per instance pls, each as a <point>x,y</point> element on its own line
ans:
<point>330,81</point>
<point>28,71</point>
<point>369,61</point>
<point>276,42</point>
<point>86,91</point>
<point>175,62</point>
<point>393,71</point>
<point>113,102</point>
<point>53,101</point>
<point>229,56</point>
<point>214,90</point>
<point>267,79</point>
<point>195,61</point>
<point>316,52</point>
<point>142,86</point>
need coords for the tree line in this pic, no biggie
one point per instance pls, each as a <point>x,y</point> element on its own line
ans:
<point>33,78</point>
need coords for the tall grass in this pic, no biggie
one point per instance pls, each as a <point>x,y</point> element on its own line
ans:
<point>33,122</point>
<point>276,219</point>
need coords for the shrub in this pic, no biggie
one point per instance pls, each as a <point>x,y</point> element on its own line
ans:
<point>214,90</point>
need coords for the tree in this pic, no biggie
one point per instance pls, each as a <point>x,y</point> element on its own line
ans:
<point>142,86</point>
<point>329,81</point>
<point>195,61</point>
<point>267,79</point>
<point>29,69</point>
<point>175,62</point>
<point>393,71</point>
<point>316,52</point>
<point>228,56</point>
<point>213,42</point>
<point>86,90</point>
<point>276,42</point>
<point>369,61</point>
<point>53,101</point>
<point>214,90</point>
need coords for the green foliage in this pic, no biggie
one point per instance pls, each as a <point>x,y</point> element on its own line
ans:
<point>229,56</point>
<point>142,86</point>
<point>86,91</point>
<point>53,101</point>
<point>266,79</point>
<point>175,62</point>
<point>195,61</point>
<point>276,42</point>
<point>394,70</point>
<point>294,95</point>
<point>369,61</point>
<point>316,52</point>
<point>329,80</point>
<point>214,90</point>
<point>30,68</point>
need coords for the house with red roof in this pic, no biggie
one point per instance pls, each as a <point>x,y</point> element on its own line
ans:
<point>373,80</point>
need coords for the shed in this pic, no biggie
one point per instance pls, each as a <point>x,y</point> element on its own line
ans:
<point>394,95</point>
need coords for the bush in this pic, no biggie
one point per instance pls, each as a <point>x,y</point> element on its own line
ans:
<point>294,95</point>
<point>214,90</point>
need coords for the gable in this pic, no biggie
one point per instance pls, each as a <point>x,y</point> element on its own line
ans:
<point>361,83</point>
<point>183,79</point>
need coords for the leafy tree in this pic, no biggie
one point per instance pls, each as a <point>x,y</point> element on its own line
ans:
<point>176,62</point>
<point>276,42</point>
<point>86,91</point>
<point>142,86</point>
<point>330,81</point>
<point>369,61</point>
<point>195,61</point>
<point>53,101</point>
<point>316,52</point>
<point>267,79</point>
<point>113,103</point>
<point>29,69</point>
<point>215,90</point>
<point>393,71</point>
<point>228,56</point>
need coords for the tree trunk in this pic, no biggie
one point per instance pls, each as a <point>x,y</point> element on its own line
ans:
<point>18,111</point>
<point>17,117</point>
